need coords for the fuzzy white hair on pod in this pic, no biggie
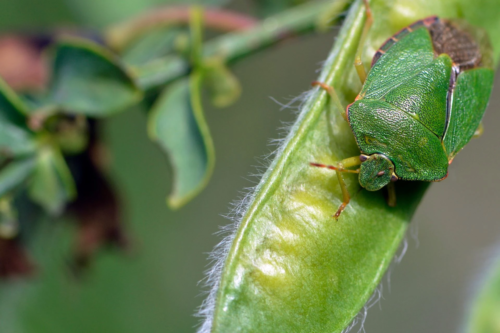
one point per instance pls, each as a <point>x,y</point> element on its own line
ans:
<point>238,209</point>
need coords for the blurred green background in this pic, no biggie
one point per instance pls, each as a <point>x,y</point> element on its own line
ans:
<point>155,287</point>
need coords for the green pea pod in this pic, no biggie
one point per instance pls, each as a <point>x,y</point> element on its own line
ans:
<point>485,314</point>
<point>290,267</point>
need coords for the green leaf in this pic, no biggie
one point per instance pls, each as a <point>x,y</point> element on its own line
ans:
<point>291,267</point>
<point>151,46</point>
<point>161,70</point>
<point>153,59</point>
<point>15,137</point>
<point>15,173</point>
<point>15,141</point>
<point>12,108</point>
<point>52,185</point>
<point>87,79</point>
<point>177,124</point>
<point>485,314</point>
<point>223,86</point>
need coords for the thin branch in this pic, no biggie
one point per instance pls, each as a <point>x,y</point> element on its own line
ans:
<point>120,35</point>
<point>234,46</point>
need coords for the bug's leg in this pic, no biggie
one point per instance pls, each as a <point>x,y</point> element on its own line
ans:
<point>391,198</point>
<point>333,96</point>
<point>339,169</point>
<point>345,194</point>
<point>358,63</point>
<point>479,131</point>
<point>342,165</point>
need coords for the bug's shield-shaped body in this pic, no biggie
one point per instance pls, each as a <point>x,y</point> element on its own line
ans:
<point>423,99</point>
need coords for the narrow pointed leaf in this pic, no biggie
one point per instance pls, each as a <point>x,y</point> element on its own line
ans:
<point>89,80</point>
<point>52,185</point>
<point>15,141</point>
<point>177,124</point>
<point>291,267</point>
<point>15,137</point>
<point>12,108</point>
<point>15,173</point>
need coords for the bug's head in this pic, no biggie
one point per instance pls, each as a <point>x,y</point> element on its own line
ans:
<point>376,171</point>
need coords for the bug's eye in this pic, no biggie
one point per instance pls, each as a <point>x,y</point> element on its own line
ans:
<point>394,178</point>
<point>363,158</point>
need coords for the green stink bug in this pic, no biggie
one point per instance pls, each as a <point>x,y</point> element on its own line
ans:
<point>421,103</point>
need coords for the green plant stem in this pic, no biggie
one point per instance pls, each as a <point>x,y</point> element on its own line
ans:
<point>118,36</point>
<point>295,21</point>
<point>237,45</point>
<point>196,28</point>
